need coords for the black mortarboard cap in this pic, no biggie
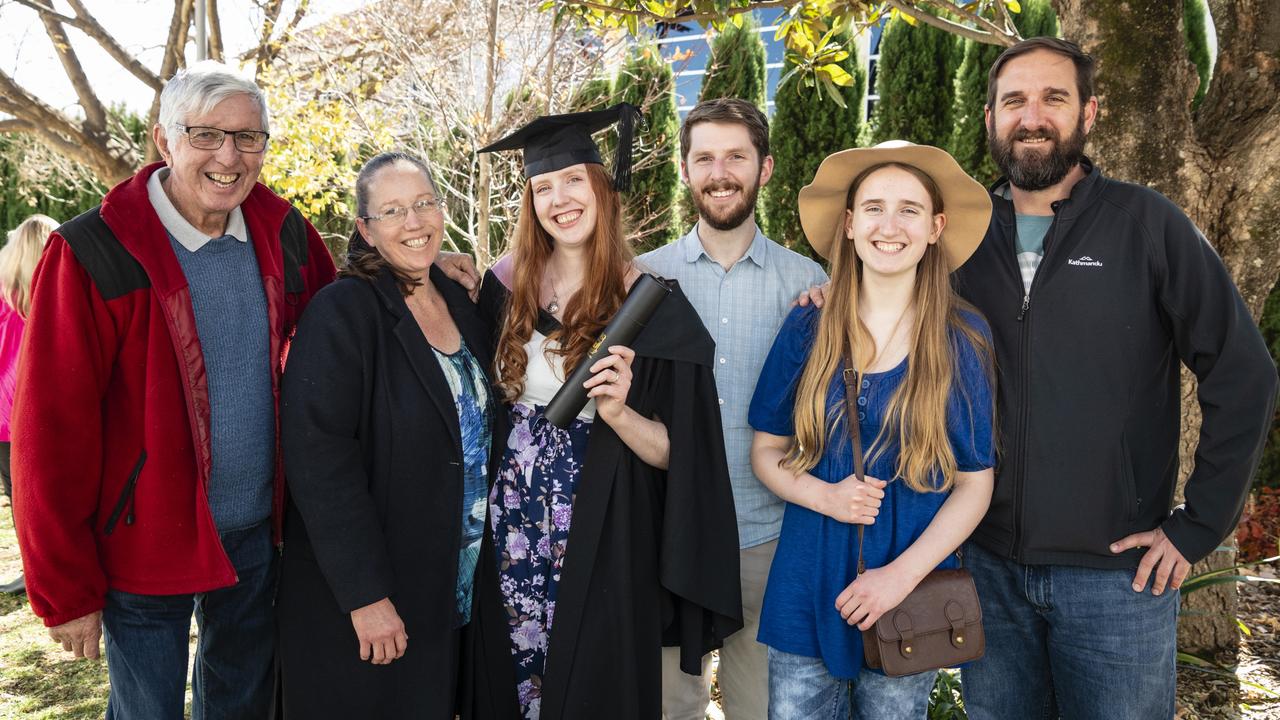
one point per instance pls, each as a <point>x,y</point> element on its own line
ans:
<point>554,142</point>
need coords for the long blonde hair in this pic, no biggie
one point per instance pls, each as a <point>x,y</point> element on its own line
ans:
<point>18,260</point>
<point>916,416</point>
<point>585,315</point>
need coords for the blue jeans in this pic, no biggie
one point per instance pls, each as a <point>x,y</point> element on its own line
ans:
<point>800,688</point>
<point>1070,642</point>
<point>147,638</point>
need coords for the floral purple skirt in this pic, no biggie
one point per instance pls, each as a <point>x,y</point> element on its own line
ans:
<point>530,508</point>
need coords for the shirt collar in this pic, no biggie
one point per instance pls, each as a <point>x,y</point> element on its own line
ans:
<point>184,232</point>
<point>693,249</point>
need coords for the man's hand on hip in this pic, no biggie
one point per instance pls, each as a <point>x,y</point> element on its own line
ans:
<point>81,636</point>
<point>1171,568</point>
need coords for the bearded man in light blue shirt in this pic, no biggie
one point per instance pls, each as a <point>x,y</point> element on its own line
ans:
<point>742,284</point>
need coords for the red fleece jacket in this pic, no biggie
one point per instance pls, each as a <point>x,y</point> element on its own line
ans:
<point>111,452</point>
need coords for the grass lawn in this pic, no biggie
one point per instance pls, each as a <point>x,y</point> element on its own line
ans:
<point>41,681</point>
<point>38,679</point>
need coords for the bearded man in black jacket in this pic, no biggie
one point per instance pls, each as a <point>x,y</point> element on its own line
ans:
<point>1097,292</point>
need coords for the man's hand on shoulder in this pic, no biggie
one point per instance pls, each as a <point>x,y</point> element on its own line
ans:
<point>1170,566</point>
<point>460,268</point>
<point>816,295</point>
<point>81,636</point>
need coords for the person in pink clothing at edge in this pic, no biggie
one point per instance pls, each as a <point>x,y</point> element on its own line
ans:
<point>18,260</point>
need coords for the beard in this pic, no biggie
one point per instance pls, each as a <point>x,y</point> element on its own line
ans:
<point>1034,170</point>
<point>724,219</point>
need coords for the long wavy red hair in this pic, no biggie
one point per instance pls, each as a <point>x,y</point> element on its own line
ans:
<point>609,256</point>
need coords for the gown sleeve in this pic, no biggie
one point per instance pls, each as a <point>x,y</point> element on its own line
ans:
<point>699,542</point>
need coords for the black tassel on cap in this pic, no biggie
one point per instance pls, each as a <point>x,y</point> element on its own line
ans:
<point>627,117</point>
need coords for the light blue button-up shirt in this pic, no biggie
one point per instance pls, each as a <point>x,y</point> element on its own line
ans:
<point>742,308</point>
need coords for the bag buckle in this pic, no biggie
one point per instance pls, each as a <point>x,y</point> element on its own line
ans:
<point>955,616</point>
<point>906,635</point>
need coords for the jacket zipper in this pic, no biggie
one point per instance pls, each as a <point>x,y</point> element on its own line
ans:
<point>1024,382</point>
<point>127,498</point>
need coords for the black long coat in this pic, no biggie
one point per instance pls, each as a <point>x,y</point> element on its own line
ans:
<point>652,557</point>
<point>373,457</point>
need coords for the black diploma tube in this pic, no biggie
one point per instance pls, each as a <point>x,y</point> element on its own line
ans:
<point>646,295</point>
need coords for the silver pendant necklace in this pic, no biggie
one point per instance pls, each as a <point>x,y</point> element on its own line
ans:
<point>553,306</point>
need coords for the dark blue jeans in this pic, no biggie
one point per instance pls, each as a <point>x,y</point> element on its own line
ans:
<point>147,637</point>
<point>1070,642</point>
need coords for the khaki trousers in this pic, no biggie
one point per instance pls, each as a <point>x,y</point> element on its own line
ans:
<point>744,663</point>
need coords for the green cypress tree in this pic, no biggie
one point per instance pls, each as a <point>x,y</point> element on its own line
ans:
<point>1193,25</point>
<point>806,127</point>
<point>736,66</point>
<point>645,81</point>
<point>914,79</point>
<point>594,94</point>
<point>968,141</point>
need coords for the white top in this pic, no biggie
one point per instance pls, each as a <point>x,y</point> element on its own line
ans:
<point>184,232</point>
<point>544,375</point>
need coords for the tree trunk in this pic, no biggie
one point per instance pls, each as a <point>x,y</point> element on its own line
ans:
<point>1220,164</point>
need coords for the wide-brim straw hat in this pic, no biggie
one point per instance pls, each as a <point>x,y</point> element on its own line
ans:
<point>965,202</point>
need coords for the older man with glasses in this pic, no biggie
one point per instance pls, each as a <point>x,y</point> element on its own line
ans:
<point>147,438</point>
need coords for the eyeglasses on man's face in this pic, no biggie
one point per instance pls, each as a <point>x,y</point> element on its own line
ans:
<point>397,215</point>
<point>211,138</point>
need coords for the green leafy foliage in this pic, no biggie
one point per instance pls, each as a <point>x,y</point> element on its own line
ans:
<point>807,127</point>
<point>1193,26</point>
<point>968,141</point>
<point>915,76</point>
<point>645,81</point>
<point>736,66</point>
<point>945,702</point>
<point>35,179</point>
<point>809,28</point>
<point>594,94</point>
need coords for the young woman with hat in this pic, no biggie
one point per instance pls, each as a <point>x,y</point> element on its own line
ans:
<point>893,221</point>
<point>570,623</point>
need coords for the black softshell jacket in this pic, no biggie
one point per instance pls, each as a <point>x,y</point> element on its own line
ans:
<point>1128,291</point>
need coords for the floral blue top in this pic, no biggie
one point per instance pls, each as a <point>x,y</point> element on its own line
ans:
<point>530,510</point>
<point>471,396</point>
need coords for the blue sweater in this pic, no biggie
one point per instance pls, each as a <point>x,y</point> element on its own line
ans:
<point>231,320</point>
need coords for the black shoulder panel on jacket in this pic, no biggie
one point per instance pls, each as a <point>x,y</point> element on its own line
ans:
<point>113,270</point>
<point>293,244</point>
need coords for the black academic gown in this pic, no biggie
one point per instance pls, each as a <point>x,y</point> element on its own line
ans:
<point>652,557</point>
<point>373,455</point>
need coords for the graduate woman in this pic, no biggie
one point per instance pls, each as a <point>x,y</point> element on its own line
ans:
<point>894,221</point>
<point>617,533</point>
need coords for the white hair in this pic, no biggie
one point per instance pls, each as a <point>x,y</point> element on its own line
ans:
<point>199,88</point>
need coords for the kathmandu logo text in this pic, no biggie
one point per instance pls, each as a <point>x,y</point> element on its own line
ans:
<point>1086,261</point>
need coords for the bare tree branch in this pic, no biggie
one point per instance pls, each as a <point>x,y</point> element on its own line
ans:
<point>262,53</point>
<point>15,125</point>
<point>45,122</point>
<point>993,35</point>
<point>697,17</point>
<point>86,23</point>
<point>175,44</point>
<point>95,114</point>
<point>215,30</point>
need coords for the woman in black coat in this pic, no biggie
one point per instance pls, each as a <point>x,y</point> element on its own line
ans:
<point>386,425</point>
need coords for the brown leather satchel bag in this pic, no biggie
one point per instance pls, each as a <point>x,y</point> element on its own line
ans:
<point>939,624</point>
